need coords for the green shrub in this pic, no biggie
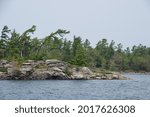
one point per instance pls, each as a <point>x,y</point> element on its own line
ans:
<point>3,69</point>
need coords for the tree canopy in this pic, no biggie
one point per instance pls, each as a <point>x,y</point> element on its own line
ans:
<point>111,56</point>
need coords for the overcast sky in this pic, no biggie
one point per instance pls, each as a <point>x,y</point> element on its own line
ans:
<point>124,21</point>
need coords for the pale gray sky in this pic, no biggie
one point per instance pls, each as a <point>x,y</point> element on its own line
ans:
<point>124,21</point>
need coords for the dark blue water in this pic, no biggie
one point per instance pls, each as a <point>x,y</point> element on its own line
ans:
<point>137,88</point>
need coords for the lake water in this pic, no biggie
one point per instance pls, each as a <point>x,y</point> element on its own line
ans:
<point>137,88</point>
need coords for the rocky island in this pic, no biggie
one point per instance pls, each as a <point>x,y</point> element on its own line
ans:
<point>51,70</point>
<point>23,57</point>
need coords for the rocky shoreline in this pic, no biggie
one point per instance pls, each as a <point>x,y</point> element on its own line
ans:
<point>51,70</point>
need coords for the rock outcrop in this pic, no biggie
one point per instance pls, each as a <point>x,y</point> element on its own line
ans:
<point>51,70</point>
<point>81,73</point>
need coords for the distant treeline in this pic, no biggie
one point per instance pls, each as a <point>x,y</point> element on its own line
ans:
<point>110,56</point>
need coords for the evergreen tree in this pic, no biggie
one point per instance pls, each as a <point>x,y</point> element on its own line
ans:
<point>4,40</point>
<point>78,52</point>
<point>15,46</point>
